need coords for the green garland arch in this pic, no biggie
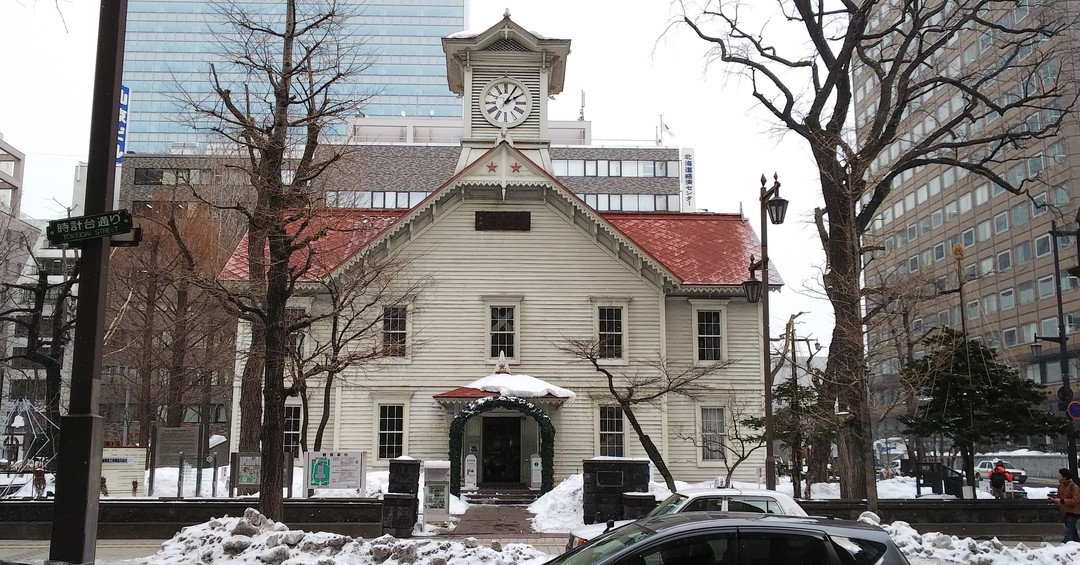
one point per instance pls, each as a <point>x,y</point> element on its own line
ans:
<point>481,405</point>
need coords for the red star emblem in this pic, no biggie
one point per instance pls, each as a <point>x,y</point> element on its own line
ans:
<point>516,168</point>
<point>492,166</point>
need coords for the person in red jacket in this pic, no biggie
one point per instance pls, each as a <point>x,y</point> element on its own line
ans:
<point>1068,499</point>
<point>998,477</point>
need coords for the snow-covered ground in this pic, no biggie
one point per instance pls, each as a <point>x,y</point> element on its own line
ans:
<point>254,539</point>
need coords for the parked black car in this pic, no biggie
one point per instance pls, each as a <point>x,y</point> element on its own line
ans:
<point>718,538</point>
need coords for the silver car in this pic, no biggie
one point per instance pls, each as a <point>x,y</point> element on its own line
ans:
<point>702,499</point>
<point>715,538</point>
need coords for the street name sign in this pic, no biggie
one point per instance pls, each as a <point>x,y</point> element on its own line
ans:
<point>69,230</point>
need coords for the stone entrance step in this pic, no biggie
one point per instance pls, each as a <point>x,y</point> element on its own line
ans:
<point>515,495</point>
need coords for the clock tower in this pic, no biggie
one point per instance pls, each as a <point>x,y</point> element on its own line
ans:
<point>505,75</point>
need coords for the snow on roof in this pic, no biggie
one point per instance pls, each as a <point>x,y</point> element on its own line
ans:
<point>522,386</point>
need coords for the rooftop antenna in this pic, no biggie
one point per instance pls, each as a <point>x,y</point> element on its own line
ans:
<point>581,116</point>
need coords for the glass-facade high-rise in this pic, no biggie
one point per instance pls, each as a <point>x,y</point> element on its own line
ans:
<point>170,44</point>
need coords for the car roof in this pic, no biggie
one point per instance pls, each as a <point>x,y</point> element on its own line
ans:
<point>694,521</point>
<point>703,491</point>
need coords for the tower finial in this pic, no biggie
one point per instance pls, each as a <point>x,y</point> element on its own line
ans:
<point>506,14</point>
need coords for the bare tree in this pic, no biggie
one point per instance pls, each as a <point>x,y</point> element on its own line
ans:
<point>905,53</point>
<point>358,325</point>
<point>163,324</point>
<point>646,383</point>
<point>275,101</point>
<point>43,313</point>
<point>741,436</point>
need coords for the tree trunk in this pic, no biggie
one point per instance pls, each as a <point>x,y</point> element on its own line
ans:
<point>177,370</point>
<point>325,417</point>
<point>251,402</point>
<point>273,429</point>
<point>650,448</point>
<point>305,420</point>
<point>846,363</point>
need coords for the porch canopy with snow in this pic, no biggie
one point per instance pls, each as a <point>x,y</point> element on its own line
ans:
<point>499,450</point>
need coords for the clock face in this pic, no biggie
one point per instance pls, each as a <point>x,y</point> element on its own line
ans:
<point>505,102</point>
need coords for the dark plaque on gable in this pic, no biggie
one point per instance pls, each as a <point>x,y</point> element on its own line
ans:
<point>503,221</point>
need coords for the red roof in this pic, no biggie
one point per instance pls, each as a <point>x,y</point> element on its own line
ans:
<point>699,248</point>
<point>466,392</point>
<point>337,233</point>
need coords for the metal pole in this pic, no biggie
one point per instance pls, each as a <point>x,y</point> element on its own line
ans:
<point>78,482</point>
<point>1065,393</point>
<point>770,433</point>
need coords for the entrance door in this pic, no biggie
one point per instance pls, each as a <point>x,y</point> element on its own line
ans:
<point>502,450</point>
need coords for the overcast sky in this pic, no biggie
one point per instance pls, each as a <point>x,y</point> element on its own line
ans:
<point>630,70</point>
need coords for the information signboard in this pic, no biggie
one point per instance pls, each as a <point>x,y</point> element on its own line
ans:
<point>335,470</point>
<point>436,491</point>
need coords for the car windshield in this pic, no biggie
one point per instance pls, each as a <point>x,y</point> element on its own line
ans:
<point>604,546</point>
<point>668,506</point>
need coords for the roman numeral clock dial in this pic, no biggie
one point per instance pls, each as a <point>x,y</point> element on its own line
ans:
<point>505,102</point>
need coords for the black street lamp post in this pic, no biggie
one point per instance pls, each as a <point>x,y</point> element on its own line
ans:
<point>755,290</point>
<point>1065,392</point>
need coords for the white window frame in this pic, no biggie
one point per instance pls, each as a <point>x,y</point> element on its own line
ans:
<point>389,400</point>
<point>298,433</point>
<point>625,426</point>
<point>699,424</point>
<point>502,301</point>
<point>407,358</point>
<point>721,306</point>
<point>623,303</point>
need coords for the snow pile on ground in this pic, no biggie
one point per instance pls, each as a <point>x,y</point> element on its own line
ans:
<point>560,510</point>
<point>257,540</point>
<point>935,547</point>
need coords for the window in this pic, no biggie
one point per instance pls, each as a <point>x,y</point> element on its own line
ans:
<point>611,431</point>
<point>712,434</point>
<point>1004,260</point>
<point>1023,252</point>
<point>950,211</point>
<point>1008,336</point>
<point>989,303</point>
<point>973,309</point>
<point>1027,292</point>
<point>394,334</point>
<point>1021,213</point>
<point>1001,222</point>
<point>1042,246</point>
<point>1008,300</point>
<point>611,332</point>
<point>391,430</point>
<point>1038,205</point>
<point>936,218</point>
<point>709,334</point>
<point>1046,286</point>
<point>984,230</point>
<point>967,237</point>
<point>965,203</point>
<point>939,252</point>
<point>292,430</point>
<point>502,331</point>
<point>1060,195</point>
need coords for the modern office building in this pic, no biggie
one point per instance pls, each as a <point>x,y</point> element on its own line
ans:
<point>170,43</point>
<point>939,220</point>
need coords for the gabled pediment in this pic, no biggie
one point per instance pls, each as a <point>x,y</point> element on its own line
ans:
<point>506,36</point>
<point>504,167</point>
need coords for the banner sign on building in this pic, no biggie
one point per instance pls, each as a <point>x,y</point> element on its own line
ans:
<point>121,131</point>
<point>687,189</point>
